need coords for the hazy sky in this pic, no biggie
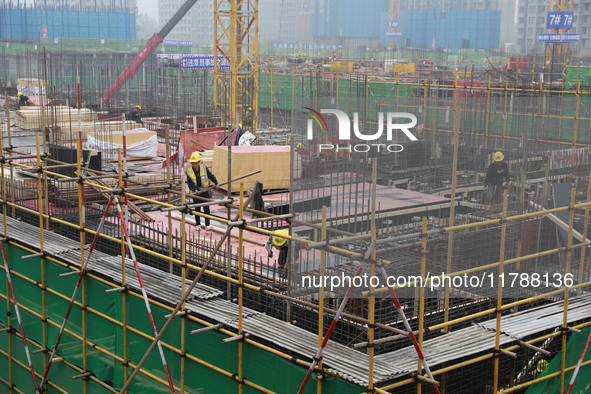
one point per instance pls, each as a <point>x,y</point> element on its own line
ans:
<point>149,7</point>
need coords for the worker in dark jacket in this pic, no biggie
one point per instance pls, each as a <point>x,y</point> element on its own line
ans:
<point>23,100</point>
<point>200,178</point>
<point>247,119</point>
<point>135,115</point>
<point>497,176</point>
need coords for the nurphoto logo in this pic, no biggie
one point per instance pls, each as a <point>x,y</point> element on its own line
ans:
<point>344,125</point>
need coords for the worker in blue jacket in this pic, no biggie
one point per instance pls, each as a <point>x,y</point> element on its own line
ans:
<point>135,115</point>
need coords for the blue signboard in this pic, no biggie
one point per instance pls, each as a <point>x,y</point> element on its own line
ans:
<point>558,37</point>
<point>202,62</point>
<point>178,43</point>
<point>393,24</point>
<point>559,20</point>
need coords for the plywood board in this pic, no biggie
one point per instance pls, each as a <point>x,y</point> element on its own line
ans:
<point>32,117</point>
<point>31,81</point>
<point>69,131</point>
<point>207,158</point>
<point>272,161</point>
<point>131,136</point>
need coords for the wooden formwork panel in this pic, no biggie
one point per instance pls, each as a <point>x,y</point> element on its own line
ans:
<point>68,132</point>
<point>207,158</point>
<point>272,161</point>
<point>32,117</point>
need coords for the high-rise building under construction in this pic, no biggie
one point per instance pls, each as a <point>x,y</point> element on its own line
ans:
<point>358,239</point>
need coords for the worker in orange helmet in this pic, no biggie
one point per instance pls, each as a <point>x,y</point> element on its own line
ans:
<point>199,181</point>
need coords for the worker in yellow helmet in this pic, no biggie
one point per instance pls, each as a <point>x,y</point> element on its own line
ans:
<point>23,100</point>
<point>247,118</point>
<point>281,244</point>
<point>199,178</point>
<point>541,366</point>
<point>497,176</point>
<point>135,115</point>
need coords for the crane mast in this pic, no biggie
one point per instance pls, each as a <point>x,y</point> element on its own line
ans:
<point>236,33</point>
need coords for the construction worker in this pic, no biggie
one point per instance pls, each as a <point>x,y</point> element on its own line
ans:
<point>281,244</point>
<point>247,118</point>
<point>497,176</point>
<point>135,115</point>
<point>200,178</point>
<point>23,100</point>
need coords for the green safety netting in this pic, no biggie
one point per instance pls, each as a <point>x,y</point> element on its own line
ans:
<point>103,332</point>
<point>582,384</point>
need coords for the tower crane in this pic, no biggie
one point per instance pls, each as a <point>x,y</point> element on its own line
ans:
<point>236,89</point>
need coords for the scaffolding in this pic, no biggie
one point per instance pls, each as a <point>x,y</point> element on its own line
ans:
<point>495,288</point>
<point>51,259</point>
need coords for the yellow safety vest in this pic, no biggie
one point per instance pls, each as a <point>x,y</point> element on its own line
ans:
<point>202,174</point>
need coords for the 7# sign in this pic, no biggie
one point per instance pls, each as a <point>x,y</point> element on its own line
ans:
<point>344,130</point>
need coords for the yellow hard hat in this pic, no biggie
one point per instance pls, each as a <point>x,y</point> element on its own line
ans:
<point>278,241</point>
<point>138,107</point>
<point>195,157</point>
<point>541,366</point>
<point>498,156</point>
<point>19,94</point>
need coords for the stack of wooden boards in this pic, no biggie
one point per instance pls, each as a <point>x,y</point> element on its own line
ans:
<point>32,117</point>
<point>70,130</point>
<point>207,158</point>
